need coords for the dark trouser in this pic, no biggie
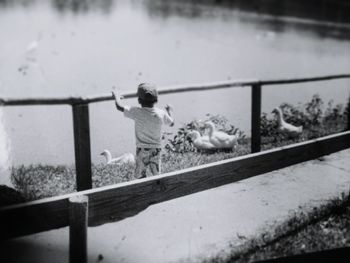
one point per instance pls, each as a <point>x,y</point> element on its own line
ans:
<point>148,162</point>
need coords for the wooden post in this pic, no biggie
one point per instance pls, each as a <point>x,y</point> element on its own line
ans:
<point>82,146</point>
<point>348,127</point>
<point>78,222</point>
<point>256,115</point>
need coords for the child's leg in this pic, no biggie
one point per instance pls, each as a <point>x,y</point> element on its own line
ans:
<point>148,162</point>
<point>154,165</point>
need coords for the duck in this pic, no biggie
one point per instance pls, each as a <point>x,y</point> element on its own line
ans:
<point>221,139</point>
<point>286,128</point>
<point>125,158</point>
<point>199,141</point>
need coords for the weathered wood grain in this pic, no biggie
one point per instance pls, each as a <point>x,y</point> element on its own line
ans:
<point>255,119</point>
<point>78,223</point>
<point>113,203</point>
<point>33,217</point>
<point>82,146</point>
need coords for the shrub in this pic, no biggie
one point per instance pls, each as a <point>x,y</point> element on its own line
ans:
<point>314,110</point>
<point>315,120</point>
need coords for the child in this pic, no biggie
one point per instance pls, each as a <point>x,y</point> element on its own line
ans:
<point>148,122</point>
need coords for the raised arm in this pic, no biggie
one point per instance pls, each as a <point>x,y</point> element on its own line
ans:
<point>117,100</point>
<point>169,109</point>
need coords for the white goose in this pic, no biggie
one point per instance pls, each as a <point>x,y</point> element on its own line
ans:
<point>200,142</point>
<point>286,128</point>
<point>125,158</point>
<point>221,139</point>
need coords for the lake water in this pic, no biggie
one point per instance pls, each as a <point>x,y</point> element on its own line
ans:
<point>61,48</point>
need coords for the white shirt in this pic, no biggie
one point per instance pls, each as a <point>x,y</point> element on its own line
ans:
<point>148,125</point>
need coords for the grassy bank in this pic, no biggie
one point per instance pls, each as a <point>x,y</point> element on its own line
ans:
<point>40,181</point>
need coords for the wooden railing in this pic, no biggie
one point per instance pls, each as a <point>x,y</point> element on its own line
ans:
<point>116,202</point>
<point>80,111</point>
<point>112,203</point>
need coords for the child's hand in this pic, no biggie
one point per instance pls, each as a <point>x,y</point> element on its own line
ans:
<point>117,100</point>
<point>168,108</point>
<point>115,95</point>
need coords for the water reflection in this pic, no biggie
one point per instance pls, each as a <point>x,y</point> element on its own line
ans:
<point>83,6</point>
<point>66,6</point>
<point>313,28</point>
<point>334,11</point>
<point>275,16</point>
<point>9,3</point>
<point>331,11</point>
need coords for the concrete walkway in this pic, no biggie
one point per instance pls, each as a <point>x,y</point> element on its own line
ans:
<point>195,227</point>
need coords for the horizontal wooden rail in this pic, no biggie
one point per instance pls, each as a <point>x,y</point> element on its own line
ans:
<point>166,90</point>
<point>300,80</point>
<point>125,94</point>
<point>41,101</point>
<point>113,203</point>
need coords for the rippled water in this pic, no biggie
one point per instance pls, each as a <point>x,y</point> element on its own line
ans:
<point>59,48</point>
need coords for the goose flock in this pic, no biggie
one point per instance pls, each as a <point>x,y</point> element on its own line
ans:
<point>215,139</point>
<point>222,140</point>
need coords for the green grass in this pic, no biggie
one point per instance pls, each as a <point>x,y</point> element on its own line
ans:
<point>40,181</point>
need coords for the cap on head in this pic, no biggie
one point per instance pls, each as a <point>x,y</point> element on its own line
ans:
<point>147,92</point>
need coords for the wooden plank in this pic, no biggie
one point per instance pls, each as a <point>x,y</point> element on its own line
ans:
<point>40,101</point>
<point>82,146</point>
<point>177,89</point>
<point>255,119</point>
<point>165,90</point>
<point>116,202</point>
<point>78,222</point>
<point>348,126</point>
<point>133,198</point>
<point>125,94</point>
<point>33,217</point>
<point>303,80</point>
